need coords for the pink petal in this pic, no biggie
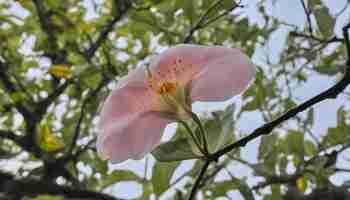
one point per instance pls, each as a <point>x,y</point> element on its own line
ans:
<point>121,107</point>
<point>180,63</point>
<point>215,72</point>
<point>133,140</point>
<point>223,76</point>
<point>136,77</point>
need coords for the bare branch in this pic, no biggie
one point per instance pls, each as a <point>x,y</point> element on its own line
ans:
<point>202,20</point>
<point>308,17</point>
<point>199,180</point>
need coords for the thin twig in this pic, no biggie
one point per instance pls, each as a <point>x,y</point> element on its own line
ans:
<point>199,180</point>
<point>201,22</point>
<point>308,18</point>
<point>87,100</point>
<point>123,6</point>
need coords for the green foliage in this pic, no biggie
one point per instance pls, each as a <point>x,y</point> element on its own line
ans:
<point>221,188</point>
<point>46,197</point>
<point>161,175</point>
<point>324,19</point>
<point>177,150</point>
<point>53,82</point>
<point>118,176</point>
<point>220,129</point>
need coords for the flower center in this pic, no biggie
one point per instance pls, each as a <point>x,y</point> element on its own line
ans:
<point>167,87</point>
<point>173,96</point>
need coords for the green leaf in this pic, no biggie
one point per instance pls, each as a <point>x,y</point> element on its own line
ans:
<point>162,173</point>
<point>244,189</point>
<point>324,19</point>
<point>220,129</point>
<point>47,197</point>
<point>310,117</point>
<point>221,188</point>
<point>189,9</point>
<point>335,136</point>
<point>181,149</point>
<point>340,133</point>
<point>91,77</point>
<point>119,176</point>
<point>310,148</point>
<point>295,140</point>
<point>267,145</point>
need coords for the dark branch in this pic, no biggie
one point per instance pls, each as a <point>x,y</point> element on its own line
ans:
<point>42,106</point>
<point>87,100</point>
<point>22,141</point>
<point>11,136</point>
<point>308,17</point>
<point>32,187</point>
<point>10,88</point>
<point>203,21</point>
<point>122,8</point>
<point>267,128</point>
<point>347,41</point>
<point>53,52</point>
<point>320,40</point>
<point>199,180</point>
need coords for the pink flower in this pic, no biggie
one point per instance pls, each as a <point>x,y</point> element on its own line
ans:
<point>145,101</point>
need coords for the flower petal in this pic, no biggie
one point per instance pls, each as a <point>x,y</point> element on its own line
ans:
<point>122,107</point>
<point>187,63</point>
<point>180,63</point>
<point>136,77</point>
<point>133,140</point>
<point>223,76</point>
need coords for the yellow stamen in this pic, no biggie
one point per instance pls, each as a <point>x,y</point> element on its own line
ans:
<point>167,87</point>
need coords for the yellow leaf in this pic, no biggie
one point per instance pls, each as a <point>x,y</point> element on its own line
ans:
<point>301,184</point>
<point>87,27</point>
<point>48,141</point>
<point>47,197</point>
<point>61,71</point>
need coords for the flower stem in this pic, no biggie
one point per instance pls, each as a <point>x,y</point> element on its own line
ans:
<point>203,132</point>
<point>198,144</point>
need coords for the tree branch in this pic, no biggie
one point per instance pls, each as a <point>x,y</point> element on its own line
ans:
<point>202,20</point>
<point>267,128</point>
<point>31,187</point>
<point>42,106</point>
<point>320,40</point>
<point>308,18</point>
<point>89,97</point>
<point>122,6</point>
<point>53,52</point>
<point>10,88</point>
<point>199,180</point>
